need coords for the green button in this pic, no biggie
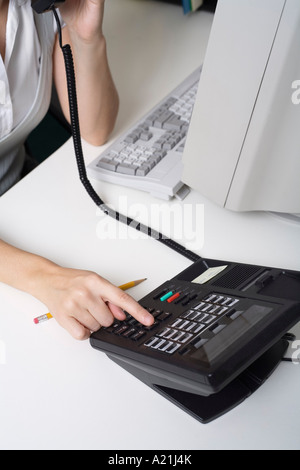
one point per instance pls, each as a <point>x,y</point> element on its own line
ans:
<point>166,296</point>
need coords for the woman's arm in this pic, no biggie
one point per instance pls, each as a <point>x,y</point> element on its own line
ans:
<point>96,93</point>
<point>81,301</point>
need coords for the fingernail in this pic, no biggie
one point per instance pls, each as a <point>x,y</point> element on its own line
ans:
<point>148,319</point>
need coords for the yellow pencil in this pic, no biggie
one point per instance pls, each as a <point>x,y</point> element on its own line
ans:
<point>126,286</point>
<point>42,318</point>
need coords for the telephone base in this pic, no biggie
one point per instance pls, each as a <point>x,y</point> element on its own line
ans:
<point>206,409</point>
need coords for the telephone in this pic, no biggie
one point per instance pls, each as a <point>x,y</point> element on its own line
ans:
<point>40,6</point>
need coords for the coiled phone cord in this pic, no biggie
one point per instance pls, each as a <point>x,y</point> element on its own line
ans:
<point>71,83</point>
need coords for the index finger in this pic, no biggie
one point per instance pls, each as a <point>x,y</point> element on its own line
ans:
<point>123,300</point>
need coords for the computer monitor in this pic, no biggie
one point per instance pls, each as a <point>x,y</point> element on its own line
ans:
<point>243,146</point>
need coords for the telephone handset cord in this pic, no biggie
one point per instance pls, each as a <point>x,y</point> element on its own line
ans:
<point>72,94</point>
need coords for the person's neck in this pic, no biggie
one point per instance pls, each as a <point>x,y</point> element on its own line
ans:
<point>3,19</point>
<point>3,4</point>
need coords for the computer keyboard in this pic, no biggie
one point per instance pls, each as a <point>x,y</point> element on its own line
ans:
<point>148,156</point>
<point>211,345</point>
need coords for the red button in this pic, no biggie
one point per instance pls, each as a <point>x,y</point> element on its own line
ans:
<point>175,296</point>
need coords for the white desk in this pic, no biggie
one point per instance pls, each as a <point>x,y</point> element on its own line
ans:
<point>61,394</point>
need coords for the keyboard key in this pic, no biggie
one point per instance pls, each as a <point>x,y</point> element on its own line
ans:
<point>156,313</point>
<point>214,309</point>
<point>165,346</point>
<point>222,310</point>
<point>150,309</point>
<point>126,169</point>
<point>215,329</point>
<point>163,316</point>
<point>132,138</point>
<point>178,335</point>
<point>152,341</point>
<point>180,149</point>
<point>107,164</point>
<point>160,294</point>
<point>199,342</point>
<point>185,338</point>
<point>158,144</point>
<point>219,299</point>
<point>174,123</point>
<point>142,170</point>
<point>194,315</point>
<point>181,299</point>
<point>164,332</point>
<point>233,314</point>
<point>190,326</point>
<point>166,296</point>
<point>160,153</point>
<point>174,297</point>
<point>138,335</point>
<point>183,324</point>
<point>113,327</point>
<point>146,136</point>
<point>149,121</point>
<point>170,334</point>
<point>129,332</point>
<point>151,327</point>
<point>208,308</point>
<point>177,323</point>
<point>199,306</point>
<point>172,348</point>
<point>198,327</point>
<point>233,302</point>
<point>161,344</point>
<point>121,329</point>
<point>210,298</point>
<point>208,319</point>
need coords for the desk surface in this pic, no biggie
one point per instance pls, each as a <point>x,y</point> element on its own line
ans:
<point>61,394</point>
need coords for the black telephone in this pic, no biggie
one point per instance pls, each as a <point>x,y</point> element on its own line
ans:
<point>40,6</point>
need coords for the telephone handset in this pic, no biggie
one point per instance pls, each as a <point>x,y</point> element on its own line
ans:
<point>40,6</point>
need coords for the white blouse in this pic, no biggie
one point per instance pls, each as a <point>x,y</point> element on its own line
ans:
<point>20,71</point>
<point>25,83</point>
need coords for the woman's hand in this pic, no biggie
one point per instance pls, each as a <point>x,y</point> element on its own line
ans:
<point>98,100</point>
<point>83,301</point>
<point>84,18</point>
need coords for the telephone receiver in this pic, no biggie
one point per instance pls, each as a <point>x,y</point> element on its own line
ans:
<point>40,6</point>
